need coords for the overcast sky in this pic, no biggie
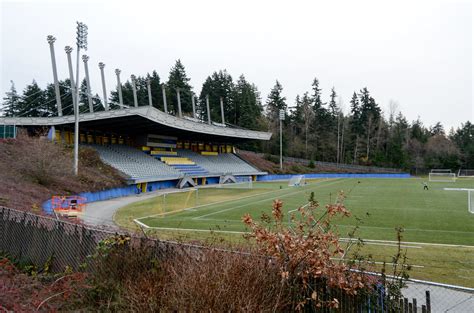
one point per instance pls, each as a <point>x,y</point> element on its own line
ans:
<point>416,53</point>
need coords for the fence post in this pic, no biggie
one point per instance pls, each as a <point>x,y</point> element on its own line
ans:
<point>428,302</point>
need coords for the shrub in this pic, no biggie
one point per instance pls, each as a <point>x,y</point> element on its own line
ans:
<point>311,164</point>
<point>308,254</point>
<point>272,158</point>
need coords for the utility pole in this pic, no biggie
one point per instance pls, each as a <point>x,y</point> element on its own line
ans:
<point>282,117</point>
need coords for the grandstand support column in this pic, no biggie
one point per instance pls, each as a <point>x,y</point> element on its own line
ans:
<point>68,50</point>
<point>222,110</point>
<point>208,110</point>
<point>85,58</point>
<point>134,90</point>
<point>51,41</point>
<point>165,105</point>
<point>119,87</point>
<point>179,103</point>
<point>104,90</point>
<point>148,87</point>
<point>194,104</point>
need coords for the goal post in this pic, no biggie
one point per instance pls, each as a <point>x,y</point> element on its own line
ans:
<point>296,181</point>
<point>442,177</point>
<point>466,173</point>
<point>440,170</point>
<point>241,183</point>
<point>470,197</point>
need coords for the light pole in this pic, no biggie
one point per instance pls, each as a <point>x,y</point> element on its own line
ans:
<point>81,41</point>
<point>51,41</point>
<point>282,117</point>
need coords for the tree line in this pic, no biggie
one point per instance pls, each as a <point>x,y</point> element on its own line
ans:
<point>313,127</point>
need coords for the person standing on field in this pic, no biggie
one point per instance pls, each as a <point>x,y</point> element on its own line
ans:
<point>425,186</point>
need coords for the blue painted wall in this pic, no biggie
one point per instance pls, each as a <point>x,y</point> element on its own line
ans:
<point>332,175</point>
<point>152,186</point>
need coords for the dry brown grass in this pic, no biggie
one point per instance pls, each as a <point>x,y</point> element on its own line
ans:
<point>33,169</point>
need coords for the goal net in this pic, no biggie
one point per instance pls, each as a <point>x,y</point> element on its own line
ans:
<point>466,173</point>
<point>242,183</point>
<point>297,180</point>
<point>442,177</point>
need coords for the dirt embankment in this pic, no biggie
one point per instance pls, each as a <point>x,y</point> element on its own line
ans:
<point>33,169</point>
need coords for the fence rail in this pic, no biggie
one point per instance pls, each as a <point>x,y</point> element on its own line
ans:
<point>61,244</point>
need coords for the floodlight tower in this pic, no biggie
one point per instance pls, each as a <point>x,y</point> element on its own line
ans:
<point>81,41</point>
<point>282,117</point>
<point>51,41</point>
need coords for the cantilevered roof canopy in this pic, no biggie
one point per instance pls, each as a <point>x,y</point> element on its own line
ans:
<point>140,120</point>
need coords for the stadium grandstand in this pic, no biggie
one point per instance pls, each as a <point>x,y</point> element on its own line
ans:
<point>148,145</point>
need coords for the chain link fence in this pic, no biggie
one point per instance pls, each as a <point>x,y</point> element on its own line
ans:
<point>60,244</point>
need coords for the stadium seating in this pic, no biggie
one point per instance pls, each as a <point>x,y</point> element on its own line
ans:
<point>140,164</point>
<point>223,163</point>
<point>135,163</point>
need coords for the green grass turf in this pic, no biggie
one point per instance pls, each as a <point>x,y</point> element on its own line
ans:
<point>433,216</point>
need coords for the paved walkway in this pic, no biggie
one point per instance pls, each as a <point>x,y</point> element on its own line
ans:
<point>443,299</point>
<point>102,212</point>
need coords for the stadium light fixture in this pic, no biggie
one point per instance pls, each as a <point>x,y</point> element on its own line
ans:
<point>282,117</point>
<point>81,42</point>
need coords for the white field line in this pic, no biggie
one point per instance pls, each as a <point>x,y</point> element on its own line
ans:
<point>198,230</point>
<point>377,243</point>
<point>414,243</point>
<point>262,200</point>
<point>218,202</point>
<point>361,226</point>
<point>405,244</point>
<point>412,229</point>
<point>141,224</point>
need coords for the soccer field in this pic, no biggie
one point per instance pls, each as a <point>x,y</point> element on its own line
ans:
<point>431,216</point>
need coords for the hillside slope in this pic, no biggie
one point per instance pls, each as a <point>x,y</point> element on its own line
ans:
<point>33,169</point>
<point>271,164</point>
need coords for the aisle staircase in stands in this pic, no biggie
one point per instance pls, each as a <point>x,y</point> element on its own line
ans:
<point>184,165</point>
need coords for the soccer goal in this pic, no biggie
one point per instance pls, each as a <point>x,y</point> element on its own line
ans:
<point>296,181</point>
<point>442,177</point>
<point>466,173</point>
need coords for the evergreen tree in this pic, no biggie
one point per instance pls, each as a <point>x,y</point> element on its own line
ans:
<point>32,101</point>
<point>178,80</point>
<point>247,108</point>
<point>333,108</point>
<point>463,137</point>
<point>276,102</point>
<point>437,129</point>
<point>219,84</point>
<point>156,90</point>
<point>11,101</point>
